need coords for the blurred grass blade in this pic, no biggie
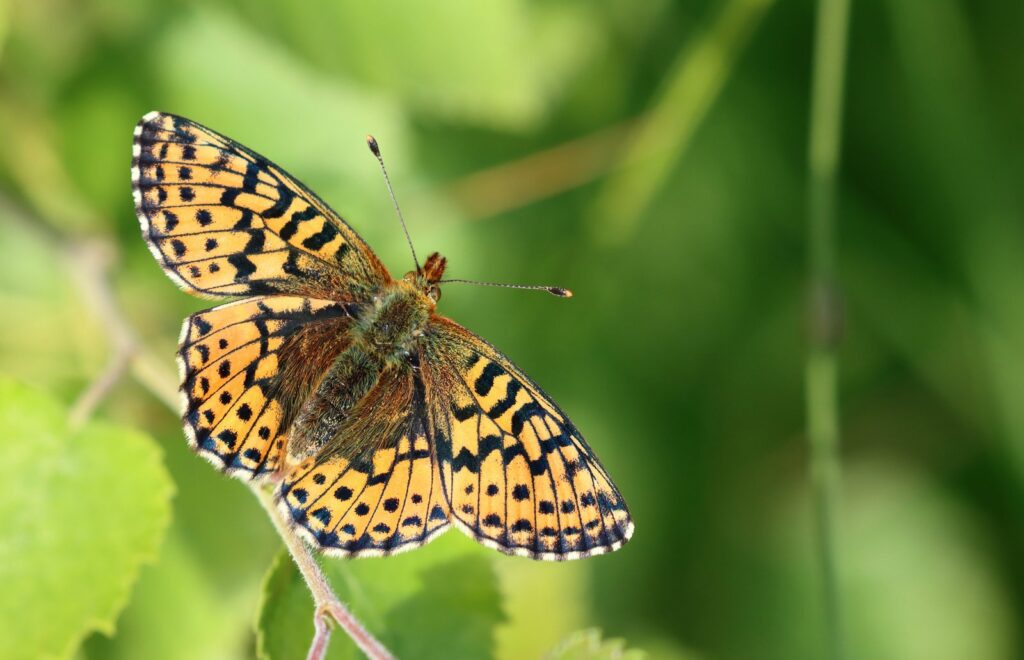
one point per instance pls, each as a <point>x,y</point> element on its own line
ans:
<point>692,85</point>
<point>825,313</point>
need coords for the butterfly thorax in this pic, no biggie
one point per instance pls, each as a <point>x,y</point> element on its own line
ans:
<point>392,324</point>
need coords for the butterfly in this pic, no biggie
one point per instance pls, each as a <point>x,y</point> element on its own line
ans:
<point>380,423</point>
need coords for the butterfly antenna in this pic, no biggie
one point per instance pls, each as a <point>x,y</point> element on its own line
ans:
<point>553,290</point>
<point>375,148</point>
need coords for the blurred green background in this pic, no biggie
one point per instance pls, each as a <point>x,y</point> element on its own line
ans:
<point>651,156</point>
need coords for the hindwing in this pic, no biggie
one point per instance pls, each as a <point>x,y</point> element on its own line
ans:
<point>246,367</point>
<point>384,498</point>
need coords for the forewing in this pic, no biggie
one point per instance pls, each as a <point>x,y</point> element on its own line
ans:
<point>387,497</point>
<point>246,367</point>
<point>224,221</point>
<point>519,476</point>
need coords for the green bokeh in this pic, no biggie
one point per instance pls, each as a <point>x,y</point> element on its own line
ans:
<point>651,156</point>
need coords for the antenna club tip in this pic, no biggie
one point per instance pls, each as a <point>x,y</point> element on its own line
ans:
<point>560,292</point>
<point>372,143</point>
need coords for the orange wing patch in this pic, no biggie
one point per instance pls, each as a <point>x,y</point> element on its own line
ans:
<point>224,221</point>
<point>237,404</point>
<point>518,474</point>
<point>389,503</point>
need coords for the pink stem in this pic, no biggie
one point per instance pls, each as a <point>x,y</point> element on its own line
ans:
<point>324,600</point>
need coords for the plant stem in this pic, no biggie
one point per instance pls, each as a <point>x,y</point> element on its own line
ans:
<point>323,597</point>
<point>90,261</point>
<point>824,300</point>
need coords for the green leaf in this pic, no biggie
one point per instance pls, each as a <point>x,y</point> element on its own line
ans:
<point>563,587</point>
<point>178,612</point>
<point>81,511</point>
<point>441,601</point>
<point>588,645</point>
<point>284,627</point>
<point>453,615</point>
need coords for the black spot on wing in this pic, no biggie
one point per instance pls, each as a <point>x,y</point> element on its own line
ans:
<point>228,197</point>
<point>244,267</point>
<point>201,325</point>
<point>245,222</point>
<point>524,413</point>
<point>256,241</point>
<point>228,437</point>
<point>321,238</point>
<point>485,381</point>
<point>503,405</point>
<point>281,205</point>
<point>462,414</point>
<point>252,175</point>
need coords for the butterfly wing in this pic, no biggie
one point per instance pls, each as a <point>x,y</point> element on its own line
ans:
<point>387,497</point>
<point>224,221</point>
<point>518,475</point>
<point>246,367</point>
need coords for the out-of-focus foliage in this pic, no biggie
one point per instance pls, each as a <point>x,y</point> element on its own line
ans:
<point>649,155</point>
<point>588,645</point>
<point>82,510</point>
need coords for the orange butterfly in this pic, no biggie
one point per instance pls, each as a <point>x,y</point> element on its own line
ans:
<point>383,422</point>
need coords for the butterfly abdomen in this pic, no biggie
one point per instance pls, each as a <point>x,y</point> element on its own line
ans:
<point>352,375</point>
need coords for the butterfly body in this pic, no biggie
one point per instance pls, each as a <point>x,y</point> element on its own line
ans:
<point>381,422</point>
<point>386,336</point>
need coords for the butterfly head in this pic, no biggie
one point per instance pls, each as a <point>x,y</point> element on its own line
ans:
<point>429,276</point>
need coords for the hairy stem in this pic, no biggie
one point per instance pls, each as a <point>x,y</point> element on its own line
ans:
<point>324,599</point>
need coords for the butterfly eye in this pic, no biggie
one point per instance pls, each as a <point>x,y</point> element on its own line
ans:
<point>434,292</point>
